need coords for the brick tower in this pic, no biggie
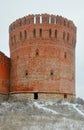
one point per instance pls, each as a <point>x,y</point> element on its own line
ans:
<point>42,52</point>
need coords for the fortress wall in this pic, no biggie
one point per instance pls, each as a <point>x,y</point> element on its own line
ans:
<point>4,73</point>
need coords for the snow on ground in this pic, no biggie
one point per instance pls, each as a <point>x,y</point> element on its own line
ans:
<point>41,115</point>
<point>74,106</point>
<point>41,106</point>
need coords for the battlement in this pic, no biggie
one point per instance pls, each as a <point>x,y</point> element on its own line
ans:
<point>42,27</point>
<point>42,19</point>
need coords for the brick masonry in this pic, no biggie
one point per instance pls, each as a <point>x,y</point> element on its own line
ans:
<point>42,53</point>
<point>4,73</point>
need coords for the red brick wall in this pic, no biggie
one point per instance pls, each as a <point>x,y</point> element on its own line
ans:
<point>42,51</point>
<point>4,73</point>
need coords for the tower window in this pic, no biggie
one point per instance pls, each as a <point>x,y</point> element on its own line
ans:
<point>50,32</point>
<point>37,52</point>
<point>65,55</point>
<point>26,73</point>
<point>34,32</point>
<point>51,73</point>
<point>40,33</point>
<point>64,23</point>
<point>55,33</point>
<point>20,35</point>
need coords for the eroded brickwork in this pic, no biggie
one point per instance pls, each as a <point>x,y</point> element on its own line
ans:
<point>42,52</point>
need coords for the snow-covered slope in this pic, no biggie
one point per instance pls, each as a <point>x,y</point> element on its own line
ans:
<point>41,115</point>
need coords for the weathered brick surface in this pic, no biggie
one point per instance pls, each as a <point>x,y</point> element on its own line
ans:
<point>42,52</point>
<point>42,57</point>
<point>4,73</point>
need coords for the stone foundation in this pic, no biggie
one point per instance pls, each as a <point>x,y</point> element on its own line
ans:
<point>41,96</point>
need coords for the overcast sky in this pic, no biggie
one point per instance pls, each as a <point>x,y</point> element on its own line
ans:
<point>10,10</point>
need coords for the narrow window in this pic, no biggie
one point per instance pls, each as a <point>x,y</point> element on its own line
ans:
<point>40,32</point>
<point>65,55</point>
<point>55,33</point>
<point>67,36</point>
<point>64,23</point>
<point>65,96</point>
<point>26,73</point>
<point>35,95</point>
<point>50,32</point>
<point>34,32</point>
<point>37,52</point>
<point>25,34</point>
<point>20,35</point>
<point>63,35</point>
<point>51,74</point>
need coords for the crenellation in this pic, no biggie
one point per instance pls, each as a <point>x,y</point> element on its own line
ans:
<point>53,19</point>
<point>58,20</point>
<point>65,22</point>
<point>45,18</point>
<point>17,23</point>
<point>27,20</point>
<point>23,21</point>
<point>14,26</point>
<point>37,19</point>
<point>62,20</point>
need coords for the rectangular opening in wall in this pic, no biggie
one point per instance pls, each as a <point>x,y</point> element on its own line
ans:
<point>36,95</point>
<point>65,96</point>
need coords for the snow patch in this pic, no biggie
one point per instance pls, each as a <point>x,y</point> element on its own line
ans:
<point>6,104</point>
<point>41,106</point>
<point>74,106</point>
